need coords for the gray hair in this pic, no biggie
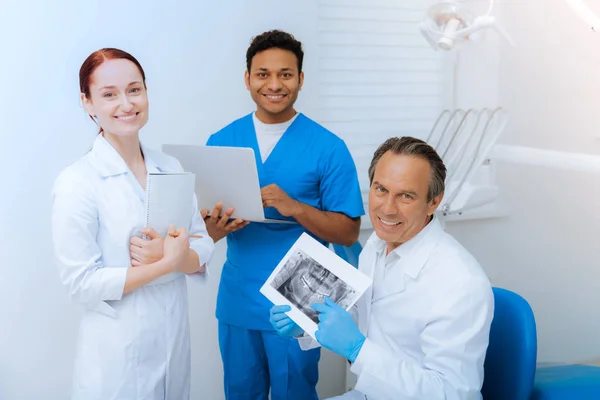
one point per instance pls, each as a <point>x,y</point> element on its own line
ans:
<point>410,146</point>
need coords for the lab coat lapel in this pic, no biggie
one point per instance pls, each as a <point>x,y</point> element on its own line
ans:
<point>367,261</point>
<point>413,258</point>
<point>106,160</point>
<point>151,167</point>
<point>419,255</point>
<point>139,190</point>
<point>109,163</point>
<point>394,282</point>
<point>151,164</point>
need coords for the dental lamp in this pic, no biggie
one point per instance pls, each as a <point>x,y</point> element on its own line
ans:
<point>450,25</point>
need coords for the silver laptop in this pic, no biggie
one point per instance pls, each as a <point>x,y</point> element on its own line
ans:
<point>225,174</point>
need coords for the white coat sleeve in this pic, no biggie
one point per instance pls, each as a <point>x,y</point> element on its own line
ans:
<point>203,246</point>
<point>454,344</point>
<point>78,256</point>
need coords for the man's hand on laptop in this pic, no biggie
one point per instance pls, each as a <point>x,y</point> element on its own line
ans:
<point>273,196</point>
<point>219,226</point>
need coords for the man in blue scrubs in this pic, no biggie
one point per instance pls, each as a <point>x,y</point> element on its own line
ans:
<point>308,176</point>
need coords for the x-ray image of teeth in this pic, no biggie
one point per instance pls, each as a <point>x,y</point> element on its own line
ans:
<point>303,281</point>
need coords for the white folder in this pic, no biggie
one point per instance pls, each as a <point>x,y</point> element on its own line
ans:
<point>169,200</point>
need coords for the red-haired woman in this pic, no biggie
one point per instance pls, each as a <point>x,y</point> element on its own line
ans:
<point>133,340</point>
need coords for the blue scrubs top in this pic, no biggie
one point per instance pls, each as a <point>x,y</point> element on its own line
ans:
<point>311,165</point>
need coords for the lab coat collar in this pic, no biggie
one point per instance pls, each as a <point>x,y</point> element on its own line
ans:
<point>151,164</point>
<point>108,162</point>
<point>415,253</point>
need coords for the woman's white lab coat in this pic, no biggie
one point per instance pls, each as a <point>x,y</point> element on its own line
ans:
<point>426,317</point>
<point>133,346</point>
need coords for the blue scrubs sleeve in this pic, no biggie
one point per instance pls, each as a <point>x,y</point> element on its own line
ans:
<point>340,191</point>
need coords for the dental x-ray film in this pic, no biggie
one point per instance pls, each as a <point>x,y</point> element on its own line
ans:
<point>309,272</point>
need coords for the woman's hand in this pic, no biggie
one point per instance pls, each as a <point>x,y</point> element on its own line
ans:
<point>143,251</point>
<point>176,247</point>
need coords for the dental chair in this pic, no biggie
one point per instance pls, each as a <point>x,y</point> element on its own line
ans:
<point>510,361</point>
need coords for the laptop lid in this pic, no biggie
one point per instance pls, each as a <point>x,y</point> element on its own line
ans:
<point>226,174</point>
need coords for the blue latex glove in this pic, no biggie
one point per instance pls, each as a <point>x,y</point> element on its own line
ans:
<point>337,330</point>
<point>282,323</point>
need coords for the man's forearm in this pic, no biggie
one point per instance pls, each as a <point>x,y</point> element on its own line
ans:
<point>330,226</point>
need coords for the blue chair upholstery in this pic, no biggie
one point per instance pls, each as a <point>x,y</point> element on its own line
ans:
<point>567,382</point>
<point>349,254</point>
<point>510,362</point>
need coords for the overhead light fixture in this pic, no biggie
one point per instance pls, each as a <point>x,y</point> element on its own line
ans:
<point>584,12</point>
<point>450,25</point>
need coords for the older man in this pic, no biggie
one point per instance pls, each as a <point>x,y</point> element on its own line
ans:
<point>423,326</point>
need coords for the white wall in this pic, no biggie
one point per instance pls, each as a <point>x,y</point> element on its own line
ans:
<point>194,56</point>
<point>546,249</point>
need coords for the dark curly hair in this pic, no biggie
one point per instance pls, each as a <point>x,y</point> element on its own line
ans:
<point>274,39</point>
